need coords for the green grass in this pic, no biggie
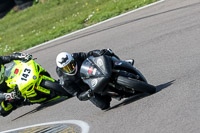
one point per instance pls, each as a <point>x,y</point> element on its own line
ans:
<point>54,18</point>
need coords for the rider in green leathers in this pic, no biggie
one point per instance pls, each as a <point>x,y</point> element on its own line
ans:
<point>6,106</point>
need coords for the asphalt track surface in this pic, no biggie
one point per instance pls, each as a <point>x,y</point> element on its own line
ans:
<point>164,41</point>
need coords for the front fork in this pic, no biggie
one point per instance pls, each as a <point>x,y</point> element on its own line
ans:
<point>117,91</point>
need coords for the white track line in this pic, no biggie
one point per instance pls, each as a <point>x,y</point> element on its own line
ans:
<point>95,24</point>
<point>84,126</point>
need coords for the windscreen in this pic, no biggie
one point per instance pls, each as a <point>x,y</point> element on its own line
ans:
<point>8,69</point>
<point>89,70</point>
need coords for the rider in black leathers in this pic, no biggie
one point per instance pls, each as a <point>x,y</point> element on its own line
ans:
<point>5,106</point>
<point>68,70</point>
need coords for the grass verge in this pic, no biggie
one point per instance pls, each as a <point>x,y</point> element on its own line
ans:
<point>45,21</point>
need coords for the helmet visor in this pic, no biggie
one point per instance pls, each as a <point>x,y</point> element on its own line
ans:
<point>69,68</point>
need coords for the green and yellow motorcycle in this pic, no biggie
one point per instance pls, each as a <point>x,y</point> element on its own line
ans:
<point>30,83</point>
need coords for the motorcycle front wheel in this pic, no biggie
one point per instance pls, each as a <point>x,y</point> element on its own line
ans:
<point>135,84</point>
<point>55,86</point>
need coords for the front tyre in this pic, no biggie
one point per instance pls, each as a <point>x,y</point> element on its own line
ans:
<point>137,85</point>
<point>55,86</point>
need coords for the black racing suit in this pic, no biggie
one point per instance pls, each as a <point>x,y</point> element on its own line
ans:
<point>74,85</point>
<point>5,106</point>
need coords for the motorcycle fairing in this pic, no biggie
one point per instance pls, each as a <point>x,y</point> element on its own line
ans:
<point>96,72</point>
<point>25,76</point>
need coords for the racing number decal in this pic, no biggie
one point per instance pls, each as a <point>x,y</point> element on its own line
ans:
<point>25,74</point>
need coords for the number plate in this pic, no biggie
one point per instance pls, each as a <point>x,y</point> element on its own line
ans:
<point>25,75</point>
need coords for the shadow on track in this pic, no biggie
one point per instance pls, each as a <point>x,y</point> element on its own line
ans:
<point>42,106</point>
<point>125,102</point>
<point>141,95</point>
<point>163,86</point>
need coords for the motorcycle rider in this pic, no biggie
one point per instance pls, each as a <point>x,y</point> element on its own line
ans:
<point>7,107</point>
<point>68,70</point>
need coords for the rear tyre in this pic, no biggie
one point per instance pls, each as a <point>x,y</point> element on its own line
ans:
<point>55,86</point>
<point>137,85</point>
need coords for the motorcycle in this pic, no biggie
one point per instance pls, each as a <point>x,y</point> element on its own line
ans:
<point>29,83</point>
<point>113,77</point>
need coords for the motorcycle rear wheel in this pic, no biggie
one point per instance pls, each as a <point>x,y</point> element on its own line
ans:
<point>137,85</point>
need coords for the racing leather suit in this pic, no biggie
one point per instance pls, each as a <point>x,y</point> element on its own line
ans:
<point>74,85</point>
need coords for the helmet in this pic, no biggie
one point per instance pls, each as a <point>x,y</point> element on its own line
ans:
<point>2,71</point>
<point>66,63</point>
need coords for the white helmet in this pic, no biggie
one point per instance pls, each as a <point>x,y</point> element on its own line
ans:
<point>66,63</point>
<point>2,71</point>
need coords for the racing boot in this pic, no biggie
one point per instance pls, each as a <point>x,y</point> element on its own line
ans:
<point>86,95</point>
<point>6,108</point>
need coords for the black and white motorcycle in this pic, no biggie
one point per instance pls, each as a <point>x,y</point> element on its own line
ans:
<point>110,76</point>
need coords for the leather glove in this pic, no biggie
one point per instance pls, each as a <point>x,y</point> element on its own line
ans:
<point>21,56</point>
<point>106,52</point>
<point>109,52</point>
<point>61,81</point>
<point>85,95</point>
<point>10,96</point>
